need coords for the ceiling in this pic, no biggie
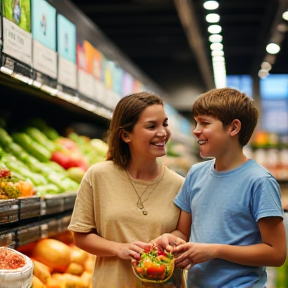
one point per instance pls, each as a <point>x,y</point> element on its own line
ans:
<point>150,33</point>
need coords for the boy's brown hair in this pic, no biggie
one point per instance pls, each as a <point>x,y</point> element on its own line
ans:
<point>227,104</point>
<point>125,116</point>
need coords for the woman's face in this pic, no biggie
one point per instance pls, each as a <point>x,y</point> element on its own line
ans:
<point>150,134</point>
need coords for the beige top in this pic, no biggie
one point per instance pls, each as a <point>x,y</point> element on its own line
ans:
<point>106,202</point>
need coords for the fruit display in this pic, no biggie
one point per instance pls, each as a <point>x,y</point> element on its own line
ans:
<point>154,265</point>
<point>11,186</point>
<point>48,162</point>
<point>59,264</point>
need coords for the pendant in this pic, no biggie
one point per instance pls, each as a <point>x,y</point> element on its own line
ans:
<point>140,205</point>
<point>144,212</point>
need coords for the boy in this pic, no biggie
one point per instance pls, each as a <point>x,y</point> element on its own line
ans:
<point>231,209</point>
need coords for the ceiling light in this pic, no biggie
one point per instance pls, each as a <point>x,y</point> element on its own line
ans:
<point>215,38</point>
<point>216,46</point>
<point>266,66</point>
<point>218,59</point>
<point>284,15</point>
<point>214,29</point>
<point>217,53</point>
<point>211,5</point>
<point>273,48</point>
<point>212,18</point>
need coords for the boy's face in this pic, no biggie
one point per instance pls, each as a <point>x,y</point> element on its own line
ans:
<point>213,138</point>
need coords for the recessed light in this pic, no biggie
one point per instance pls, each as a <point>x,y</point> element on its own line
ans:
<point>212,18</point>
<point>273,48</point>
<point>214,29</point>
<point>214,38</point>
<point>211,5</point>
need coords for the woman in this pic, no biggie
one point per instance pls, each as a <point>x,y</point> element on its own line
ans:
<point>126,201</point>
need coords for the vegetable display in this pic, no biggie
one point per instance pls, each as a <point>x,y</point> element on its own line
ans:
<point>155,266</point>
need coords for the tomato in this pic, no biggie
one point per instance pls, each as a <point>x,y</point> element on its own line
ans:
<point>147,249</point>
<point>156,271</point>
<point>161,253</point>
<point>147,262</point>
<point>161,258</point>
<point>139,270</point>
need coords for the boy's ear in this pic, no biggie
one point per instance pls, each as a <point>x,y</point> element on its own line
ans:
<point>235,127</point>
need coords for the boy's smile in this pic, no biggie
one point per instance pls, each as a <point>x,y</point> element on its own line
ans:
<point>212,137</point>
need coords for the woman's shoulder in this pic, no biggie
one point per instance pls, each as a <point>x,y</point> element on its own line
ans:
<point>173,175</point>
<point>103,167</point>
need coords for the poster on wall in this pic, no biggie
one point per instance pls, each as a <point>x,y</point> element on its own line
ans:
<point>243,83</point>
<point>118,81</point>
<point>85,68</point>
<point>127,83</point>
<point>275,116</point>
<point>99,85</point>
<point>66,47</point>
<point>17,38</point>
<point>44,38</point>
<point>274,86</point>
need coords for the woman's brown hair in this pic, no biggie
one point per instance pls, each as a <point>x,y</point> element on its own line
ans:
<point>125,116</point>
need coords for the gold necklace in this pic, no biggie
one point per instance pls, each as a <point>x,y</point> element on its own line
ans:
<point>139,203</point>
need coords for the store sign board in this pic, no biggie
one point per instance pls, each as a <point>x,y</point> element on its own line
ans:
<point>274,86</point>
<point>17,42</point>
<point>99,86</point>
<point>44,37</point>
<point>67,72</point>
<point>275,116</point>
<point>243,83</point>
<point>85,68</point>
<point>66,47</point>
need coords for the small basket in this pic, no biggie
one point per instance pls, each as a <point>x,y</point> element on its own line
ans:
<point>17,278</point>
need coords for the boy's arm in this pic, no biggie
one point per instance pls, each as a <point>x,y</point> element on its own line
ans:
<point>271,252</point>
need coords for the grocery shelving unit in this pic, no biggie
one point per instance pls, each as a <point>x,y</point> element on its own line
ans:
<point>25,220</point>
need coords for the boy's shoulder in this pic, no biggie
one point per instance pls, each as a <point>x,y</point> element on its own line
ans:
<point>202,166</point>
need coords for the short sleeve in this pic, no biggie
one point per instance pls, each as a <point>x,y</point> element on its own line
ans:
<point>83,219</point>
<point>266,200</point>
<point>183,198</point>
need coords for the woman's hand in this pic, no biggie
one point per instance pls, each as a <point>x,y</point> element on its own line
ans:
<point>132,250</point>
<point>191,253</point>
<point>167,242</point>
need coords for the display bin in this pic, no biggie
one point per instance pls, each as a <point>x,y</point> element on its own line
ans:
<point>29,207</point>
<point>58,203</point>
<point>69,200</point>
<point>8,238</point>
<point>9,211</point>
<point>52,204</point>
<point>27,233</point>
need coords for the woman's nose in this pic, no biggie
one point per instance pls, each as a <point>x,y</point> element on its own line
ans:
<point>162,132</point>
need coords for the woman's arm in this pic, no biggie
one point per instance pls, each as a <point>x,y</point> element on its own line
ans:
<point>96,245</point>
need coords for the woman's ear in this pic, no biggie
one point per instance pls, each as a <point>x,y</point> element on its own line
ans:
<point>235,127</point>
<point>125,136</point>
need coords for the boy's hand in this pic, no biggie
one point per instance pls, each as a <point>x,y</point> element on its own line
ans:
<point>192,253</point>
<point>167,242</point>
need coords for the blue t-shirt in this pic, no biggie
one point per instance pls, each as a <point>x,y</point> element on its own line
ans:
<point>225,207</point>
